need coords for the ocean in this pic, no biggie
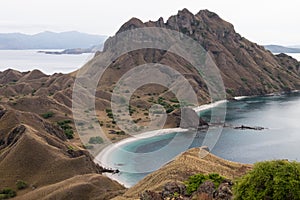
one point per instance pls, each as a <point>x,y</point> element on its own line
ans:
<point>27,60</point>
<point>279,114</point>
<point>280,139</point>
<point>295,55</point>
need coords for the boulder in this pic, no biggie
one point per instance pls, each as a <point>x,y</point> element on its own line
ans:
<point>150,195</point>
<point>173,187</point>
<point>191,120</point>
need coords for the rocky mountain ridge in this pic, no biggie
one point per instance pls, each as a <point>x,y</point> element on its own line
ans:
<point>247,68</point>
<point>36,108</point>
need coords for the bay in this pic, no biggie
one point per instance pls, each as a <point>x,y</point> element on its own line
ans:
<point>280,140</point>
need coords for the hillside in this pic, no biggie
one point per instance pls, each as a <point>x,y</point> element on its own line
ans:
<point>40,144</point>
<point>183,166</point>
<point>245,67</point>
<point>49,40</point>
<point>33,146</point>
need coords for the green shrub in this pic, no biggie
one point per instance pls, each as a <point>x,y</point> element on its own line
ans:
<point>33,92</point>
<point>244,79</point>
<point>48,115</point>
<point>230,91</point>
<point>96,140</point>
<point>7,193</point>
<point>88,146</point>
<point>169,110</point>
<point>270,180</point>
<point>21,185</point>
<point>63,122</point>
<point>69,133</point>
<point>68,130</point>
<point>195,181</point>
<point>174,100</point>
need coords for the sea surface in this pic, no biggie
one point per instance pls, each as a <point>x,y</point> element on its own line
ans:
<point>295,55</point>
<point>27,60</point>
<point>279,114</point>
<point>280,140</point>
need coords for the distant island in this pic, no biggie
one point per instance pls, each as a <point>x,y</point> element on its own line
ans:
<point>282,49</point>
<point>75,51</point>
<point>42,155</point>
<point>50,40</point>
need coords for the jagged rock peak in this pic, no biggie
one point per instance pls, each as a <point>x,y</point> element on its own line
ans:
<point>184,21</point>
<point>131,24</point>
<point>208,14</point>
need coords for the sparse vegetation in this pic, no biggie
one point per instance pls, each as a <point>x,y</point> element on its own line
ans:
<point>196,180</point>
<point>69,133</point>
<point>88,146</point>
<point>48,115</point>
<point>68,130</point>
<point>7,193</point>
<point>229,91</point>
<point>33,92</point>
<point>70,147</point>
<point>244,80</point>
<point>21,185</point>
<point>109,113</point>
<point>270,180</point>
<point>174,100</point>
<point>96,140</point>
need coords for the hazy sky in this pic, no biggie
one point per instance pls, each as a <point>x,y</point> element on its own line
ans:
<point>262,21</point>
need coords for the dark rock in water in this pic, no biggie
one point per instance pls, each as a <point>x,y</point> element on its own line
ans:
<point>191,120</point>
<point>112,171</point>
<point>257,128</point>
<point>173,187</point>
<point>149,195</point>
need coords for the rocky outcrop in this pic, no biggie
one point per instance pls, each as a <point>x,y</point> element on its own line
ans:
<point>150,195</point>
<point>206,191</point>
<point>172,188</point>
<point>191,120</point>
<point>171,177</point>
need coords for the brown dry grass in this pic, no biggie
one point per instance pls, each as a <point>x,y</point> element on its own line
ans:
<point>39,156</point>
<point>185,165</point>
<point>82,187</point>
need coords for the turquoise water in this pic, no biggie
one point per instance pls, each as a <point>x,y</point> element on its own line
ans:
<point>279,114</point>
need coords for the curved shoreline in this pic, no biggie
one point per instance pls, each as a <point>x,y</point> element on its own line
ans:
<point>209,106</point>
<point>103,156</point>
